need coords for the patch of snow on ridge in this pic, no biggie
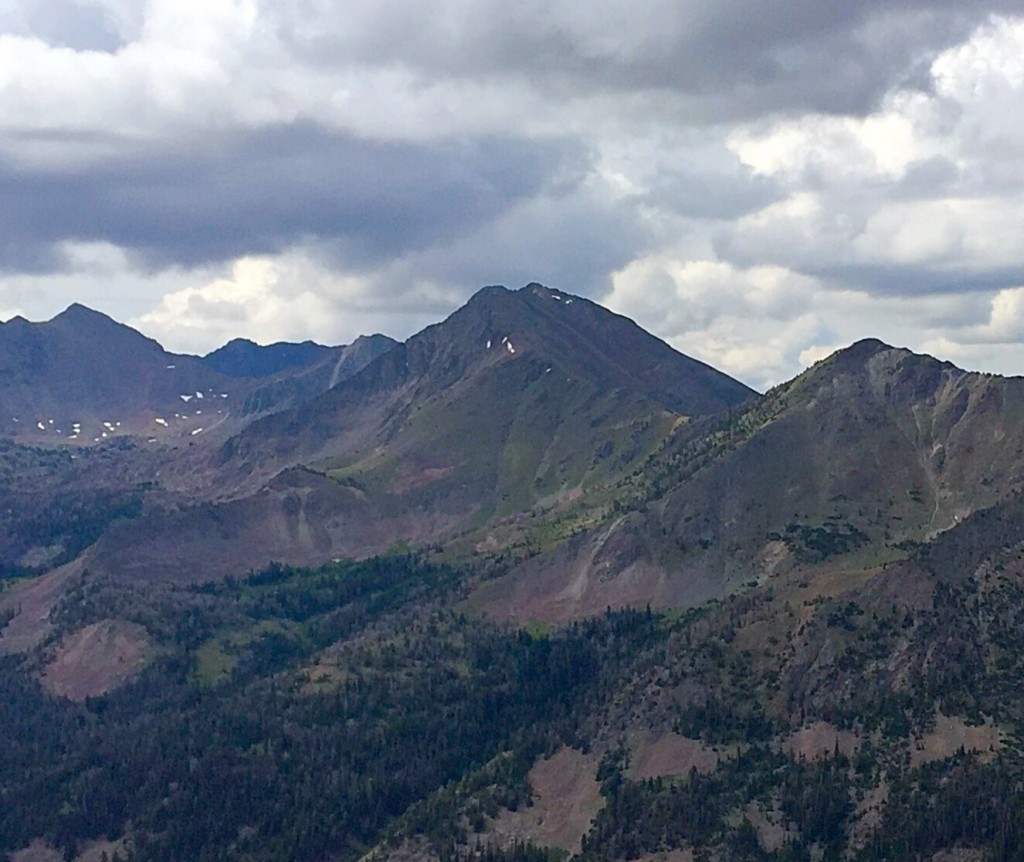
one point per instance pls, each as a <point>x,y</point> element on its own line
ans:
<point>197,431</point>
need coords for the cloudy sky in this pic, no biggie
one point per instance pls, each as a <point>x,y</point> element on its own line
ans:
<point>758,182</point>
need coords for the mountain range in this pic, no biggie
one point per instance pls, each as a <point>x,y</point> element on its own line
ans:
<point>777,626</point>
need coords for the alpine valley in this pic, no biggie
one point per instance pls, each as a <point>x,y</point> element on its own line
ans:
<point>529,586</point>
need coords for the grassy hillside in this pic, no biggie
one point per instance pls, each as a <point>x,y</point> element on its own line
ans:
<point>864,714</point>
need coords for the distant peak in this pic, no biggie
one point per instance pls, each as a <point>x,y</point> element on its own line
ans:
<point>860,351</point>
<point>375,338</point>
<point>242,357</point>
<point>79,314</point>
<point>870,345</point>
<point>500,293</point>
<point>76,309</point>
<point>872,355</point>
<point>536,289</point>
<point>542,291</point>
<point>491,292</point>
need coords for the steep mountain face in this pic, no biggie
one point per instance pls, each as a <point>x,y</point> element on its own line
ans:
<point>868,453</point>
<point>888,443</point>
<point>844,711</point>
<point>292,387</point>
<point>537,331</point>
<point>521,399</point>
<point>84,377</point>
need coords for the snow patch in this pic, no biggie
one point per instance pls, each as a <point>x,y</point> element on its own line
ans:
<point>197,431</point>
<point>171,366</point>
<point>199,395</point>
<point>185,398</point>
<point>160,421</point>
<point>40,426</point>
<point>488,344</point>
<point>511,349</point>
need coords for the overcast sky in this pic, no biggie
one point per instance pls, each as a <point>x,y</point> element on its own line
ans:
<point>757,182</point>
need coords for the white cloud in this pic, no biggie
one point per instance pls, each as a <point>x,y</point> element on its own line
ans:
<point>749,323</point>
<point>263,299</point>
<point>852,202</point>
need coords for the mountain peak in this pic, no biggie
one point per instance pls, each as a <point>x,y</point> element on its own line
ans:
<point>242,357</point>
<point>492,296</point>
<point>855,356</point>
<point>559,330</point>
<point>869,345</point>
<point>76,313</point>
<point>237,342</point>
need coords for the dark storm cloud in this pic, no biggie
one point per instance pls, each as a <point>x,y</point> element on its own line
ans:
<point>263,191</point>
<point>896,280</point>
<point>573,241</point>
<point>715,194</point>
<point>727,60</point>
<point>928,179</point>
